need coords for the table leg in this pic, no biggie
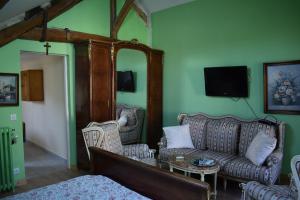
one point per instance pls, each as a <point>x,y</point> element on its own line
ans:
<point>202,177</point>
<point>171,169</point>
<point>215,185</point>
<point>185,173</point>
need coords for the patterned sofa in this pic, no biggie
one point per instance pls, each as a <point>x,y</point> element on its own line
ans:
<point>131,133</point>
<point>226,140</point>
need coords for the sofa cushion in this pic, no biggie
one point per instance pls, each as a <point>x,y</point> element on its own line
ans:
<point>130,114</point>
<point>178,136</point>
<point>249,131</point>
<point>221,158</point>
<point>165,154</point>
<point>241,167</point>
<point>222,135</point>
<point>260,148</point>
<point>197,129</point>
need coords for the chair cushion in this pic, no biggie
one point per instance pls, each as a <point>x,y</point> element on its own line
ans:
<point>178,137</point>
<point>118,111</point>
<point>165,154</point>
<point>249,131</point>
<point>221,158</point>
<point>130,114</point>
<point>243,168</point>
<point>122,121</point>
<point>255,190</point>
<point>222,135</point>
<point>260,148</point>
<point>197,129</point>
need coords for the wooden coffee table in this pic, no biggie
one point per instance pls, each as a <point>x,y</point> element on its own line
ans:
<point>187,167</point>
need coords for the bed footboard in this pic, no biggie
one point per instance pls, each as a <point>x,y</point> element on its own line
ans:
<point>147,180</point>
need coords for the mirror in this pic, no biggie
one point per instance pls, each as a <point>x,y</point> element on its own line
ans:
<point>131,95</point>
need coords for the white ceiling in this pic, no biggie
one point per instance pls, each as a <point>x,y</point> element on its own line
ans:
<point>16,7</point>
<point>151,6</point>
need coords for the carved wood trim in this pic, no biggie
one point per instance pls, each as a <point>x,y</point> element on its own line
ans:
<point>13,32</point>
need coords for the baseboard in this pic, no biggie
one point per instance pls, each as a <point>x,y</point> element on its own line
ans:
<point>21,182</point>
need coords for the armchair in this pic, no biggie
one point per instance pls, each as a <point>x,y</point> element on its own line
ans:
<point>131,132</point>
<point>106,136</point>
<point>254,190</point>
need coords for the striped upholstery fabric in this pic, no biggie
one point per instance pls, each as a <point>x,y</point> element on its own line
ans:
<point>243,168</point>
<point>249,131</point>
<point>256,191</point>
<point>222,135</point>
<point>165,154</point>
<point>139,150</point>
<point>294,190</point>
<point>197,129</point>
<point>221,158</point>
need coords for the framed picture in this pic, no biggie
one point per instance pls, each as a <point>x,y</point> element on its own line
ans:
<point>9,92</point>
<point>282,87</point>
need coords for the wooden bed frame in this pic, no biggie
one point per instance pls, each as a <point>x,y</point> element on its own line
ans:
<point>147,180</point>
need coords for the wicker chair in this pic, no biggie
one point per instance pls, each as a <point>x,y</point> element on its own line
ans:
<point>254,190</point>
<point>106,136</point>
<point>131,133</point>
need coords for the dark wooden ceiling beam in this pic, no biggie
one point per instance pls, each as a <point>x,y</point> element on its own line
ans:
<point>113,15</point>
<point>62,35</point>
<point>140,13</point>
<point>3,3</point>
<point>11,33</point>
<point>121,17</point>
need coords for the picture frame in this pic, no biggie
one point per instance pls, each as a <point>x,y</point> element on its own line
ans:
<point>282,87</point>
<point>9,89</point>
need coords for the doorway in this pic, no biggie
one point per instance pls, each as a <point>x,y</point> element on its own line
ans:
<point>46,134</point>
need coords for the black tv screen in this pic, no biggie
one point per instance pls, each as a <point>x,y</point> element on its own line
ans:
<point>125,81</point>
<point>226,81</point>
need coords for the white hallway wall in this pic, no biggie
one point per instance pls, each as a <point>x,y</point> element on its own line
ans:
<point>46,124</point>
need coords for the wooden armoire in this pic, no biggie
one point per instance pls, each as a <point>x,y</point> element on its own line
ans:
<point>95,79</point>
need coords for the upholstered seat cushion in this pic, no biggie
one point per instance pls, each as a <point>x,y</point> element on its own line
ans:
<point>221,158</point>
<point>222,135</point>
<point>165,154</point>
<point>255,190</point>
<point>197,129</point>
<point>249,131</point>
<point>243,168</point>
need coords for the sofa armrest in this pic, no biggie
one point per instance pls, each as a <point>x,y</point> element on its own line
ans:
<point>275,158</point>
<point>139,150</point>
<point>274,164</point>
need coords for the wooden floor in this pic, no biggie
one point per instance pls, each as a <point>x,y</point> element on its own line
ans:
<point>44,168</point>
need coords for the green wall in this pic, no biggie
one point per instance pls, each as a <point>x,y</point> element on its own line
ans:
<point>207,33</point>
<point>91,16</point>
<point>135,61</point>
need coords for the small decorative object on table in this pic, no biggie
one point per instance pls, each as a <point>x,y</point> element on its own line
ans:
<point>203,162</point>
<point>282,87</point>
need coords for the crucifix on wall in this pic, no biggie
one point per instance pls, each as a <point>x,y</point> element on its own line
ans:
<point>47,46</point>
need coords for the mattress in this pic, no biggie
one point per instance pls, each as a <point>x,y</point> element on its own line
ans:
<point>81,188</point>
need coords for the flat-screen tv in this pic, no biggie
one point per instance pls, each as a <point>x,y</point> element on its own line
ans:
<point>125,81</point>
<point>226,81</point>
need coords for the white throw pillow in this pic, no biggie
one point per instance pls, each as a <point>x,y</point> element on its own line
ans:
<point>260,148</point>
<point>178,137</point>
<point>122,120</point>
